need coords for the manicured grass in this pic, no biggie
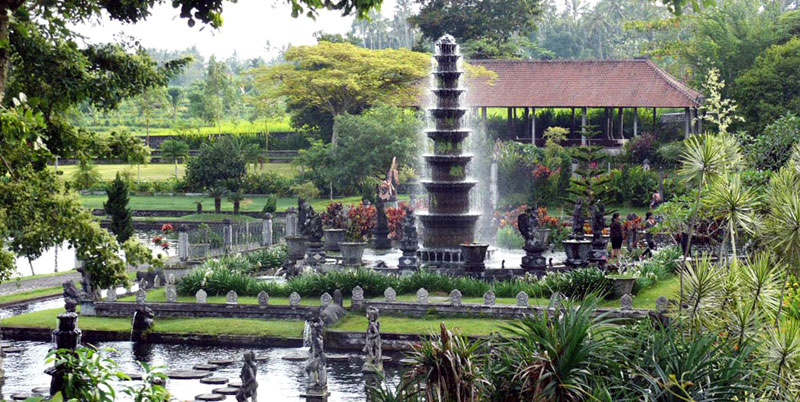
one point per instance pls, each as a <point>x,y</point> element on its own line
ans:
<point>162,171</point>
<point>30,294</point>
<point>187,203</point>
<point>200,218</point>
<point>669,288</point>
<point>422,326</point>
<point>209,326</point>
<point>159,295</point>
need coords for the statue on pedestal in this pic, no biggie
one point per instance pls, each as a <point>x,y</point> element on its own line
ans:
<point>577,221</point>
<point>71,296</point>
<point>535,241</point>
<point>247,392</point>
<point>143,319</point>
<point>373,360</point>
<point>67,337</point>
<point>315,365</point>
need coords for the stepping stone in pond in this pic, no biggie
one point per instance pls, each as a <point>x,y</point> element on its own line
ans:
<point>41,390</point>
<point>214,380</point>
<point>187,374</point>
<point>235,384</point>
<point>221,362</point>
<point>205,367</point>
<point>226,391</point>
<point>337,358</point>
<point>296,357</point>
<point>262,358</point>
<point>135,376</point>
<point>5,345</point>
<point>12,350</point>
<point>210,397</point>
<point>20,397</point>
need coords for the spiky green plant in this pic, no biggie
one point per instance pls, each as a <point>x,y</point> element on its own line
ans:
<point>734,204</point>
<point>558,357</point>
<point>448,366</point>
<point>86,175</point>
<point>703,295</point>
<point>780,353</point>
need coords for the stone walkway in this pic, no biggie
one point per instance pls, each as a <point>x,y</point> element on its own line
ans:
<point>12,286</point>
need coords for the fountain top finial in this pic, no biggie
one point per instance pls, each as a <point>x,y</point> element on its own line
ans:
<point>446,39</point>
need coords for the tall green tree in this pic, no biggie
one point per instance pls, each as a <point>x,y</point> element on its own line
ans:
<point>174,150</point>
<point>220,161</point>
<point>147,103</point>
<point>339,78</point>
<point>117,209</point>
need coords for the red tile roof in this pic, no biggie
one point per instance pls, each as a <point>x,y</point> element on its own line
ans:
<point>579,83</point>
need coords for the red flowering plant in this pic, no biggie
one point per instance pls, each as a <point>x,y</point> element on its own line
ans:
<point>542,172</point>
<point>395,217</point>
<point>162,242</point>
<point>167,228</point>
<point>362,220</point>
<point>334,216</point>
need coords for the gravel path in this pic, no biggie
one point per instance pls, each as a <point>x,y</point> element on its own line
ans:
<point>25,285</point>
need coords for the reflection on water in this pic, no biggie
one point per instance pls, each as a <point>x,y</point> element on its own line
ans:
<point>30,308</point>
<point>278,379</point>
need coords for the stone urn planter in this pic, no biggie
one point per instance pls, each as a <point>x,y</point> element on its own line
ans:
<point>332,238</point>
<point>474,255</point>
<point>296,246</point>
<point>623,285</point>
<point>352,252</point>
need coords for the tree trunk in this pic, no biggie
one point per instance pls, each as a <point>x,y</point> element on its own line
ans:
<point>236,207</point>
<point>4,52</point>
<point>217,205</point>
<point>176,168</point>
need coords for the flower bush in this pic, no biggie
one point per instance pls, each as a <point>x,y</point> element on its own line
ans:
<point>395,217</point>
<point>334,216</point>
<point>362,219</point>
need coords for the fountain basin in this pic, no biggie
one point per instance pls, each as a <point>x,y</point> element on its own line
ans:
<point>448,230</point>
<point>447,135</point>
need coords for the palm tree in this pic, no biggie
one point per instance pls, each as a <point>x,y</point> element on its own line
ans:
<point>731,202</point>
<point>86,175</point>
<point>173,150</point>
<point>251,153</point>
<point>236,198</point>
<point>217,192</point>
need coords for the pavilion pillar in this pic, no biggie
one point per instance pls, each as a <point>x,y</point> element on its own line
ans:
<point>700,123</point>
<point>635,122</point>
<point>584,117</point>
<point>525,120</point>
<point>510,122</point>
<point>572,123</point>
<point>687,120</point>
<point>484,120</point>
<point>608,132</point>
<point>621,133</point>
<point>533,125</point>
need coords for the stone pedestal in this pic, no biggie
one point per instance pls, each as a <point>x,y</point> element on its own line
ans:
<point>315,253</point>
<point>66,337</point>
<point>183,243</point>
<point>474,256</point>
<point>266,230</point>
<point>291,222</point>
<point>599,253</point>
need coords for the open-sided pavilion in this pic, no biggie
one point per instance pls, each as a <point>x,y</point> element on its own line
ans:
<point>523,86</point>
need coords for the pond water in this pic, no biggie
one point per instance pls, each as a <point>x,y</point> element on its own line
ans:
<point>278,379</point>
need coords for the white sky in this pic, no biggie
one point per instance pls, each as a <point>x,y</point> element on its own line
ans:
<point>248,26</point>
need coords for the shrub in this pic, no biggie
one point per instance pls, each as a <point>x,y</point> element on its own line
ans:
<point>640,148</point>
<point>334,216</point>
<point>267,183</point>
<point>219,161</point>
<point>270,205</point>
<point>632,186</point>
<point>305,190</point>
<point>269,258</point>
<point>508,237</point>
<point>772,149</point>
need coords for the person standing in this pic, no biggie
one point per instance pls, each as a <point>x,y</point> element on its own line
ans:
<point>616,236</point>
<point>649,223</point>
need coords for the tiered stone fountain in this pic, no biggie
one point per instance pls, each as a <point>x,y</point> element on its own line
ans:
<point>448,223</point>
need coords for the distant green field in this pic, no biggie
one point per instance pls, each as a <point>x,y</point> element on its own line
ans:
<point>187,203</point>
<point>227,127</point>
<point>161,171</point>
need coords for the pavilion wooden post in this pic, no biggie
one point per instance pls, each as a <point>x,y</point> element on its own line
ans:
<point>621,133</point>
<point>584,117</point>
<point>572,123</point>
<point>635,122</point>
<point>608,132</point>
<point>687,120</point>
<point>525,125</point>
<point>484,120</point>
<point>654,121</point>
<point>533,125</point>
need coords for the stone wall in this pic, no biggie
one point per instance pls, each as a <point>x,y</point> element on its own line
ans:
<point>191,310</point>
<point>498,311</point>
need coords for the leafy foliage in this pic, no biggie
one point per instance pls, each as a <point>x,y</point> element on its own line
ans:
<point>117,208</point>
<point>218,162</point>
<point>772,149</point>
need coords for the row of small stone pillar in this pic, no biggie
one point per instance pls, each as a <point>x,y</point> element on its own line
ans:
<point>227,235</point>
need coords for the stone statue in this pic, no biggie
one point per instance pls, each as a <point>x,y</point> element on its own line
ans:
<point>373,361</point>
<point>142,322</point>
<point>315,365</point>
<point>598,222</point>
<point>247,392</point>
<point>67,337</point>
<point>89,292</point>
<point>410,241</point>
<point>578,220</point>
<point>71,296</point>
<point>528,224</point>
<point>313,226</point>
<point>302,213</point>
<point>387,190</point>
<point>381,231</point>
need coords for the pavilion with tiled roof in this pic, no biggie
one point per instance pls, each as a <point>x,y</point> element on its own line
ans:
<point>612,85</point>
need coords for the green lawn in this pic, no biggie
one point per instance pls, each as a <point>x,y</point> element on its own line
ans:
<point>209,326</point>
<point>162,171</point>
<point>226,127</point>
<point>187,203</point>
<point>669,288</point>
<point>199,217</point>
<point>30,294</point>
<point>422,326</point>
